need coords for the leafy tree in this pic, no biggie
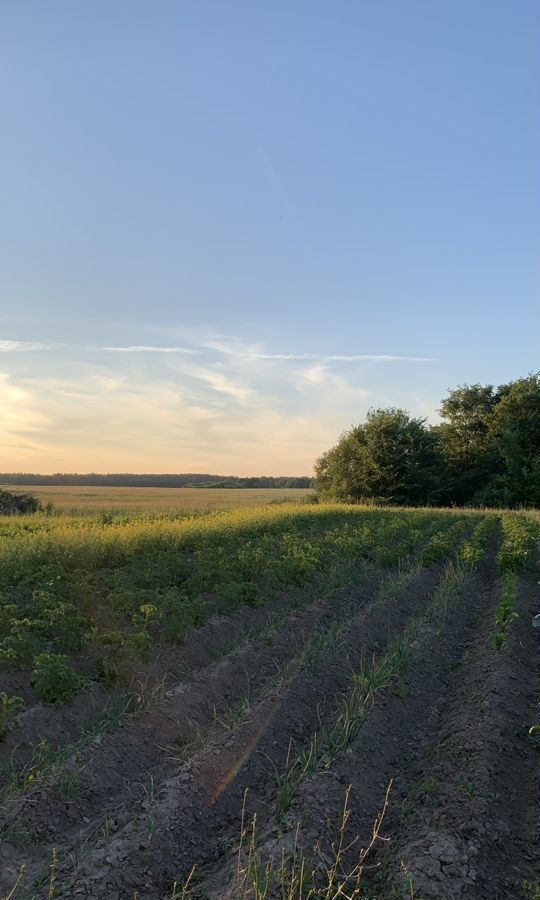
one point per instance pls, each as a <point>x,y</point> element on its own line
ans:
<point>491,441</point>
<point>466,439</point>
<point>391,457</point>
<point>515,434</point>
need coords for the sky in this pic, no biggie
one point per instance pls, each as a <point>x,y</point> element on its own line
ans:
<point>228,229</point>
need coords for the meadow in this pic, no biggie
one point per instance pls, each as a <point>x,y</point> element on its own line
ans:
<point>80,501</point>
<point>291,700</point>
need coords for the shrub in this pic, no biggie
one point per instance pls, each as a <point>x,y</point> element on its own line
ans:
<point>53,680</point>
<point>15,504</point>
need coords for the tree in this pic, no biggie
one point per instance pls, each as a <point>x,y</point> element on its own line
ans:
<point>466,439</point>
<point>515,433</point>
<point>391,457</point>
<point>491,442</point>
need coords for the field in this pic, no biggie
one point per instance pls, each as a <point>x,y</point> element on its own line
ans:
<point>295,701</point>
<point>91,500</point>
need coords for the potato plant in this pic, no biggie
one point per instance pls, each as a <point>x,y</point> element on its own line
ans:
<point>110,589</point>
<point>520,534</point>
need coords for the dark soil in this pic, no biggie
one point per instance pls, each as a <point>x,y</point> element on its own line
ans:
<point>134,809</point>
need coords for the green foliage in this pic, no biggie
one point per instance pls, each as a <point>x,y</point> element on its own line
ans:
<point>112,591</point>
<point>506,609</point>
<point>17,504</point>
<point>391,457</point>
<point>53,680</point>
<point>519,537</point>
<point>491,441</point>
<point>472,552</point>
<point>116,653</point>
<point>10,707</point>
<point>486,452</point>
<point>37,623</point>
<point>181,614</point>
<point>443,543</point>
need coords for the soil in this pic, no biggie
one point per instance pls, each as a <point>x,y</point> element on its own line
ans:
<point>132,810</point>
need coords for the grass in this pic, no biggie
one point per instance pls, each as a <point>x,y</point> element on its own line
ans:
<point>324,873</point>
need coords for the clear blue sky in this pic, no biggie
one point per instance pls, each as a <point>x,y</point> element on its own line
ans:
<point>241,182</point>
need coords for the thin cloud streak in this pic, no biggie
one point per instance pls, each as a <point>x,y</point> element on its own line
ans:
<point>235,347</point>
<point>357,357</point>
<point>143,348</point>
<point>22,346</point>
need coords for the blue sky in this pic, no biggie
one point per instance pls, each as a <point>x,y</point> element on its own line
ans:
<point>228,229</point>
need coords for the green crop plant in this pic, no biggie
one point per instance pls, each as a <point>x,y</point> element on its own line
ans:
<point>10,707</point>
<point>116,653</point>
<point>520,534</point>
<point>443,543</point>
<point>112,589</point>
<point>53,680</point>
<point>473,551</point>
<point>450,588</point>
<point>506,608</point>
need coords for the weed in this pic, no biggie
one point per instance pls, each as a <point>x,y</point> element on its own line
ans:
<point>145,694</point>
<point>324,875</point>
<point>70,784</point>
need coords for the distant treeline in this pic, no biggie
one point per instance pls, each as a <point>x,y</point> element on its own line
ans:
<point>129,480</point>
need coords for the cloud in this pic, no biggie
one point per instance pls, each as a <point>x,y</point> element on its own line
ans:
<point>237,348</point>
<point>22,346</point>
<point>197,402</point>
<point>359,357</point>
<point>143,348</point>
<point>221,383</point>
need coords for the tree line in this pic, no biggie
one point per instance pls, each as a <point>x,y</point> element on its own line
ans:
<point>485,452</point>
<point>131,480</point>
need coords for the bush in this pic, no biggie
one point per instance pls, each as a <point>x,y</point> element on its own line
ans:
<point>53,680</point>
<point>16,504</point>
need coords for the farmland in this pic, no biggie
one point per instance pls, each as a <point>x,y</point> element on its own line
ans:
<point>96,500</point>
<point>225,705</point>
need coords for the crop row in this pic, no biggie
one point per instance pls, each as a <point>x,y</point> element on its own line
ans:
<point>474,549</point>
<point>520,534</point>
<point>111,591</point>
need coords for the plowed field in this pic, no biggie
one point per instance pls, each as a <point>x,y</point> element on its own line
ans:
<point>289,703</point>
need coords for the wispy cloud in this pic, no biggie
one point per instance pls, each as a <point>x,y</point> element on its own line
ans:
<point>22,346</point>
<point>237,348</point>
<point>199,401</point>
<point>219,382</point>
<point>365,357</point>
<point>145,348</point>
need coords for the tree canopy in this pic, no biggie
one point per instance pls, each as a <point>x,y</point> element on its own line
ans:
<point>485,452</point>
